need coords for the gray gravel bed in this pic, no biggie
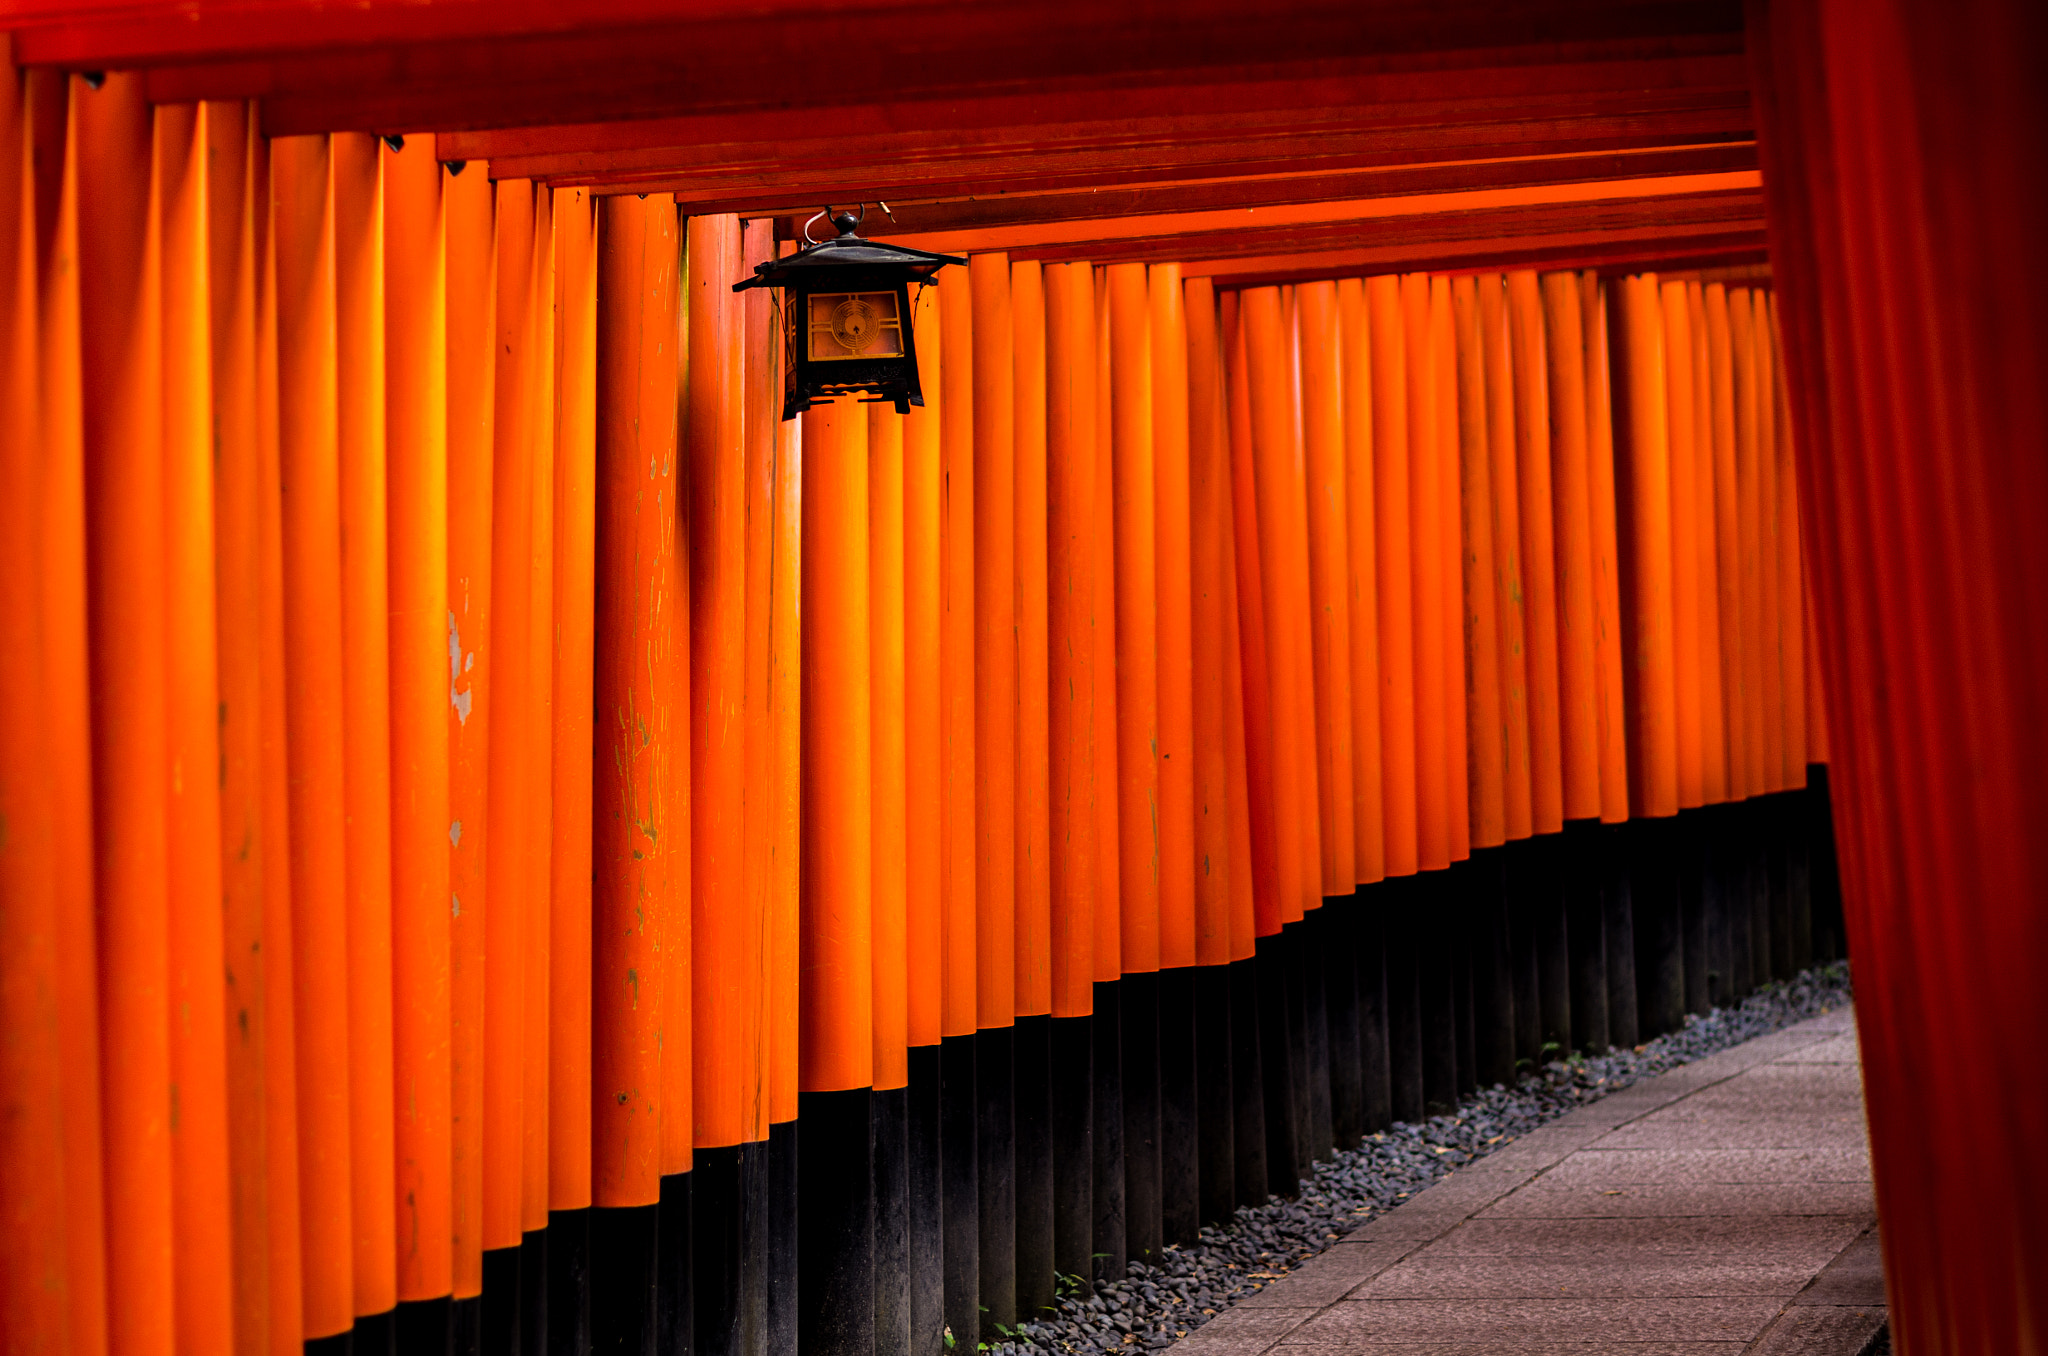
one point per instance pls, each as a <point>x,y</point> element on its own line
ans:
<point>1158,1302</point>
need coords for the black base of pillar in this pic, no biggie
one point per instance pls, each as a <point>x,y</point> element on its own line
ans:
<point>1458,937</point>
<point>1437,924</point>
<point>623,1243</point>
<point>924,1197</point>
<point>1320,1138</point>
<point>1692,910</point>
<point>1180,1149</point>
<point>1144,1234</point>
<point>498,1322</point>
<point>1493,987</point>
<point>1660,946</point>
<point>960,1190</point>
<point>1369,932</point>
<point>424,1327</point>
<point>1034,1171</point>
<point>466,1324</point>
<point>1617,907</point>
<point>533,1293</point>
<point>1073,1148</point>
<point>1283,1172</point>
<point>835,1300</point>
<point>1250,1179</point>
<point>1215,1109</point>
<point>1586,936</point>
<point>718,1248</point>
<point>675,1290</point>
<point>1111,1255</point>
<point>1404,997</point>
<point>568,1263</point>
<point>995,1149</point>
<point>781,1210</point>
<point>1338,944</point>
<point>892,1187</point>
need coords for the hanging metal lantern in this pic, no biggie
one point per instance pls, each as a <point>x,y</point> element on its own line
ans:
<point>846,318</point>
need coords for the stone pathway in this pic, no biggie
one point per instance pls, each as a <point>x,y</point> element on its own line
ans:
<point>1724,1207</point>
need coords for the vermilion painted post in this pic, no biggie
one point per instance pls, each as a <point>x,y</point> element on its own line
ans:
<point>1133,509</point>
<point>67,693</point>
<point>923,681</point>
<point>1481,637</point>
<point>1685,607</point>
<point>727,932</point>
<point>1769,530</point>
<point>1301,706</point>
<point>310,542</point>
<point>1033,846</point>
<point>1425,538</point>
<point>1607,631</point>
<point>1578,682</point>
<point>1264,518</point>
<point>201,1194</point>
<point>1648,513</point>
<point>1791,590</point>
<point>890,806</point>
<point>1728,540</point>
<point>1273,862</point>
<point>1450,546</point>
<point>422,689</point>
<point>1108,839</point>
<point>516,761</point>
<point>366,694</point>
<point>1396,569</point>
<point>957,806</point>
<point>1533,422</point>
<point>995,642</point>
<point>1713,715</point>
<point>1749,557</point>
<point>836,1015</point>
<point>1074,632</point>
<point>468,204</point>
<point>634,895</point>
<point>1175,615</point>
<point>1208,513</point>
<point>1328,504</point>
<point>1354,336</point>
<point>34,1295</point>
<point>1506,525</point>
<point>572,630</point>
<point>119,263</point>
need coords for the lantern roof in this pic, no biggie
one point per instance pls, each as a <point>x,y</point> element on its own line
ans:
<point>847,250</point>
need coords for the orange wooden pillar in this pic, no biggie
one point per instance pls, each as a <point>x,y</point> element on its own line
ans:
<point>1033,847</point>
<point>1301,703</point>
<point>1727,539</point>
<point>1173,559</point>
<point>366,694</point>
<point>1450,547</point>
<point>1074,632</point>
<point>728,931</point>
<point>1578,683</point>
<point>923,684</point>
<point>1274,863</point>
<point>422,689</point>
<point>119,263</point>
<point>1506,529</point>
<point>957,808</point>
<point>1607,625</point>
<point>1354,353</point>
<point>255,893</point>
<point>1209,692</point>
<point>1764,351</point>
<point>201,1193</point>
<point>1134,508</point>
<point>1108,821</point>
<point>1533,422</point>
<point>1480,598</point>
<point>516,759</point>
<point>1396,568</point>
<point>1681,428</point>
<point>1327,506</point>
<point>35,1299</point>
<point>889,815</point>
<point>1425,527</point>
<point>634,895</point>
<point>995,641</point>
<point>1713,723</point>
<point>836,1019</point>
<point>67,690</point>
<point>572,629</point>
<point>468,226</point>
<point>1749,550</point>
<point>1263,527</point>
<point>311,544</point>
<point>1648,515</point>
<point>1792,609</point>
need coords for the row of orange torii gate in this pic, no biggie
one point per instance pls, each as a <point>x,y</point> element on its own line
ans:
<point>605,765</point>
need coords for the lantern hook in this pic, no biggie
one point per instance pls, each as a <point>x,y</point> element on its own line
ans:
<point>840,221</point>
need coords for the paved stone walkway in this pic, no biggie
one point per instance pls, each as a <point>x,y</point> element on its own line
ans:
<point>1724,1207</point>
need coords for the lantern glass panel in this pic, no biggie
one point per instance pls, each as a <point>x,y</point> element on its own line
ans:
<point>850,325</point>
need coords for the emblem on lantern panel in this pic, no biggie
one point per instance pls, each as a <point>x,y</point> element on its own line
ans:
<point>854,325</point>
